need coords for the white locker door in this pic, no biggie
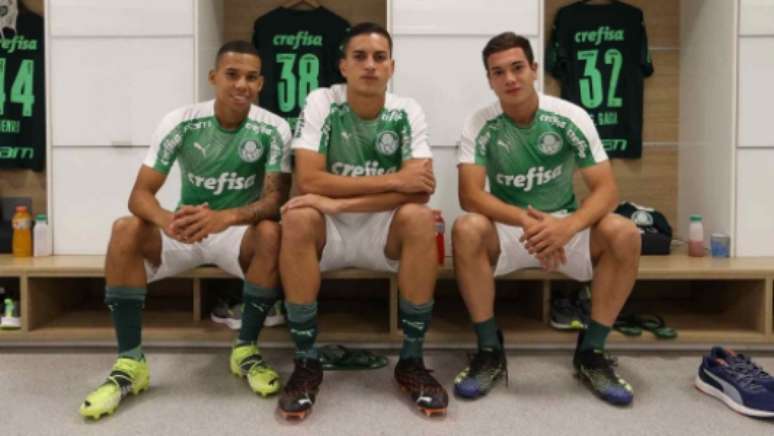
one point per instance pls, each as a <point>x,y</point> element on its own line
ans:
<point>90,189</point>
<point>755,204</point>
<point>115,91</point>
<point>756,70</point>
<point>121,17</point>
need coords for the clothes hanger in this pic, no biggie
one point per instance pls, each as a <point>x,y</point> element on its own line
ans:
<point>293,3</point>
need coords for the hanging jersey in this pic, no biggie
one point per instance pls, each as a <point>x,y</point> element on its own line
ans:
<point>223,168</point>
<point>533,165</point>
<point>22,90</point>
<point>600,55</point>
<point>300,52</point>
<point>356,147</point>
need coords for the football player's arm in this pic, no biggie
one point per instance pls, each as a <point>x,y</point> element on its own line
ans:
<point>363,203</point>
<point>276,189</point>
<point>143,202</point>
<point>312,177</point>
<point>602,198</point>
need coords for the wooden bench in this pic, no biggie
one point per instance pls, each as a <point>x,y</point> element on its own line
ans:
<point>708,300</point>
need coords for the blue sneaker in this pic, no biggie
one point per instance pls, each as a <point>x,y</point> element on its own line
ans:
<point>743,363</point>
<point>736,386</point>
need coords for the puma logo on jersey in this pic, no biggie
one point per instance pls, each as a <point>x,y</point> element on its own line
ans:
<point>503,145</point>
<point>200,148</point>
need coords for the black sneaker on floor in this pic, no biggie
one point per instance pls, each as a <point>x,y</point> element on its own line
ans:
<point>424,389</point>
<point>298,396</point>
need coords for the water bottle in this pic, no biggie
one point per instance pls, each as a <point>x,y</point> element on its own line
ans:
<point>696,237</point>
<point>440,229</point>
<point>22,232</point>
<point>40,238</point>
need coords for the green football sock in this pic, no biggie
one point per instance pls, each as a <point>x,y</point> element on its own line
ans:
<point>257,303</point>
<point>595,337</point>
<point>486,332</point>
<point>302,322</point>
<point>415,320</point>
<point>126,310</point>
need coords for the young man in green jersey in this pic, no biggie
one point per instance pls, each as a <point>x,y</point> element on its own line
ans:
<point>527,145</point>
<point>363,167</point>
<point>234,162</point>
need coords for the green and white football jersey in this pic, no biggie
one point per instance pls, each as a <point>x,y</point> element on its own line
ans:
<point>223,168</point>
<point>355,147</point>
<point>533,165</point>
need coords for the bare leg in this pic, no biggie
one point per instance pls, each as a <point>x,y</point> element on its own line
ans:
<point>132,240</point>
<point>476,249</point>
<point>412,240</point>
<point>615,246</point>
<point>303,238</point>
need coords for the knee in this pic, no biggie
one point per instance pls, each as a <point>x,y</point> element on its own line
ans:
<point>126,234</point>
<point>468,232</point>
<point>300,225</point>
<point>268,235</point>
<point>622,236</point>
<point>415,221</point>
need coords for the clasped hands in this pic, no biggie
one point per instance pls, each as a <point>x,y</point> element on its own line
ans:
<point>192,224</point>
<point>545,237</point>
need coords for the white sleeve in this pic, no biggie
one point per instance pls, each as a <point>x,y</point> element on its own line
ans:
<point>310,123</point>
<point>589,131</point>
<point>165,143</point>
<point>419,148</point>
<point>286,136</point>
<point>466,149</point>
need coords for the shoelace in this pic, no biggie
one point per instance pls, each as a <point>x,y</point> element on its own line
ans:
<point>757,371</point>
<point>744,375</point>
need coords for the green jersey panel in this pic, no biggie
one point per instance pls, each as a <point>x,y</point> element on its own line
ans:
<point>533,165</point>
<point>223,168</point>
<point>356,147</point>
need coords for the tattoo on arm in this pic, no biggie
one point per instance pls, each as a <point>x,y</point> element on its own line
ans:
<point>276,188</point>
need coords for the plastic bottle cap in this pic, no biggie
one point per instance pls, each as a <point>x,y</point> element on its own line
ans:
<point>21,208</point>
<point>41,217</point>
<point>695,217</point>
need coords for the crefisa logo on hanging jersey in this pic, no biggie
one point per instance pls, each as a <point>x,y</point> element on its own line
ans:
<point>387,142</point>
<point>549,143</point>
<point>250,151</point>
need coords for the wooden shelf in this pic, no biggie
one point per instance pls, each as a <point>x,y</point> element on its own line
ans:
<point>707,300</point>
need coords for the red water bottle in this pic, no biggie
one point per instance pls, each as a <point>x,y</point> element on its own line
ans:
<point>440,228</point>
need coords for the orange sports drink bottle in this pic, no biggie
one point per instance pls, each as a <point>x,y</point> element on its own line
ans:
<point>22,232</point>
